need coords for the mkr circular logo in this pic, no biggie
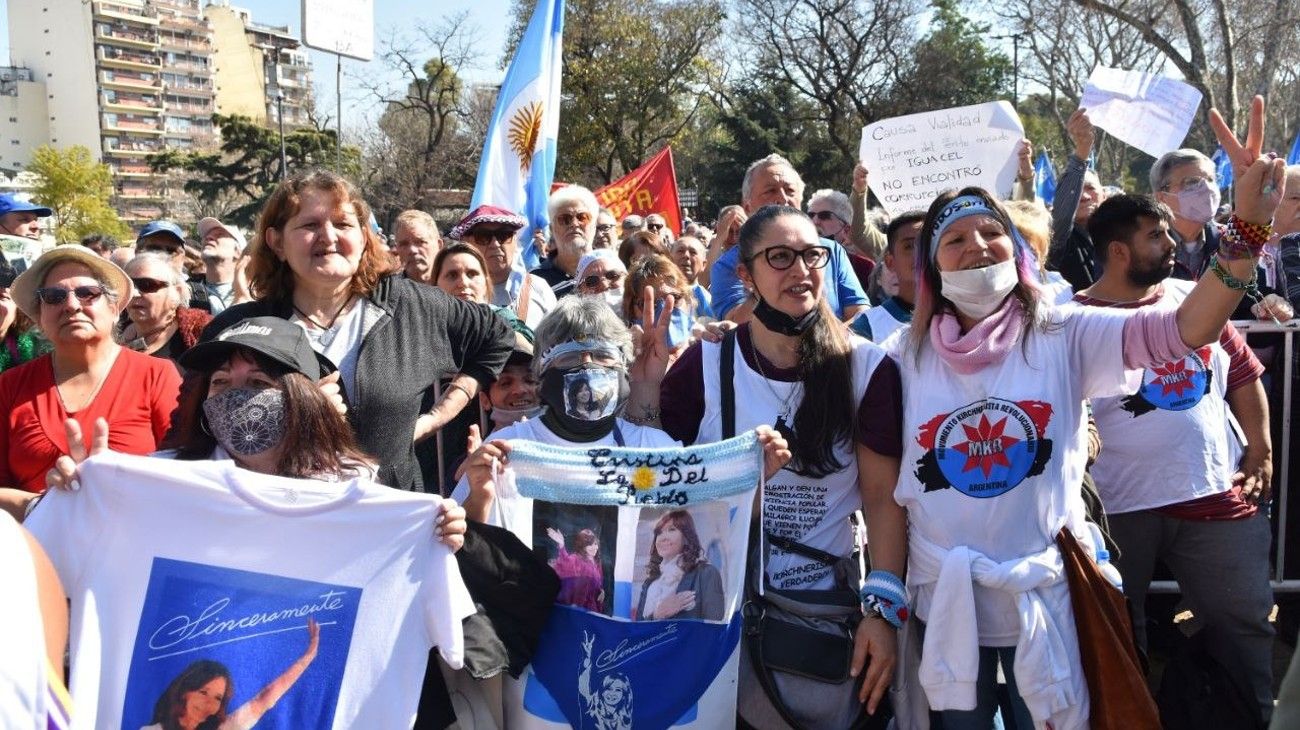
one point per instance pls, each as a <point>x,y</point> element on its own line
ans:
<point>986,448</point>
<point>1176,386</point>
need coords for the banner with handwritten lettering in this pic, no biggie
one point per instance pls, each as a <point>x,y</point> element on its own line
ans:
<point>649,545</point>
<point>192,660</point>
<point>912,159</point>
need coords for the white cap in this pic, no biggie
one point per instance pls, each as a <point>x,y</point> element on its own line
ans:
<point>209,224</point>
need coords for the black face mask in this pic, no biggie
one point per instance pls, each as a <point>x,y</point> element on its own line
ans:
<point>782,323</point>
<point>582,402</point>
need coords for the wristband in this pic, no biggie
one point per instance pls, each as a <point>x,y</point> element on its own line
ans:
<point>884,595</point>
<point>1248,286</point>
<point>1244,240</point>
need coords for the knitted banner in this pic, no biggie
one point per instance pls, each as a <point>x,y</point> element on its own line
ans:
<point>649,545</point>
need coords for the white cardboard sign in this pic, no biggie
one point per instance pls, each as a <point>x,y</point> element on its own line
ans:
<point>912,159</point>
<point>1149,112</point>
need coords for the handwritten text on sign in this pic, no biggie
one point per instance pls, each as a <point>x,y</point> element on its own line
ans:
<point>912,159</point>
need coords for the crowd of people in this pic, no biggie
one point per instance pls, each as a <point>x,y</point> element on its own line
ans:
<point>970,391</point>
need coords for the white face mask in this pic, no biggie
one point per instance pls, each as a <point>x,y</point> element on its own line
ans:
<point>977,293</point>
<point>506,416</point>
<point>1199,204</point>
<point>614,298</point>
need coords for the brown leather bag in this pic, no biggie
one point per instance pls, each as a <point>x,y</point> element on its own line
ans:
<point>1117,686</point>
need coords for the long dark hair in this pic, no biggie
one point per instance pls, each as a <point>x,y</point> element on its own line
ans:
<point>825,416</point>
<point>317,441</point>
<point>171,703</point>
<point>929,285</point>
<point>692,552</point>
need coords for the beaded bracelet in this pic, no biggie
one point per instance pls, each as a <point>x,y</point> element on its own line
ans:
<point>1244,240</point>
<point>1249,286</point>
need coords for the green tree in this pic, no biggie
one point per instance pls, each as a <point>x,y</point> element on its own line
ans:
<point>636,73</point>
<point>78,190</point>
<point>951,66</point>
<point>246,169</point>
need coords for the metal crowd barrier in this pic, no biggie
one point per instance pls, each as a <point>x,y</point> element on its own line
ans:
<point>1282,478</point>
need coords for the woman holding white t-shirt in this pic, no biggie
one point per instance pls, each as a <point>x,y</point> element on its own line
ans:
<point>994,381</point>
<point>836,398</point>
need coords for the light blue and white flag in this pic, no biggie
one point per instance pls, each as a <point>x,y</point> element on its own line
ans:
<point>1222,168</point>
<point>1293,157</point>
<point>649,545</point>
<point>518,161</point>
<point>1045,179</point>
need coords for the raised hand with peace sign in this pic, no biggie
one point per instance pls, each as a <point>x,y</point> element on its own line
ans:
<point>1257,186</point>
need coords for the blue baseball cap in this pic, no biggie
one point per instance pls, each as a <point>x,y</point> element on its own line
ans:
<point>162,227</point>
<point>10,203</point>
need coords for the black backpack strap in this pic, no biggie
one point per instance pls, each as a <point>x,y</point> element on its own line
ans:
<point>727,375</point>
<point>798,548</point>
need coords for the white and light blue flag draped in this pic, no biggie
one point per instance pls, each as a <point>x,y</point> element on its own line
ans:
<point>650,547</point>
<point>1222,168</point>
<point>1045,179</point>
<point>518,162</point>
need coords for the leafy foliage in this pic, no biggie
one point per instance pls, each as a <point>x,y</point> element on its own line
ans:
<point>78,190</point>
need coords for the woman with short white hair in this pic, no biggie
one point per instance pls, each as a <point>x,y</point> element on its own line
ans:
<point>160,324</point>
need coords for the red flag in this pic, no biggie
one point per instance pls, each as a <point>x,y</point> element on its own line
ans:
<point>651,188</point>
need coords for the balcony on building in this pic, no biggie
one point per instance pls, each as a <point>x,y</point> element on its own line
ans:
<point>130,80</point>
<point>126,190</point>
<point>192,65</point>
<point>127,12</point>
<point>110,57</point>
<point>118,34</point>
<point>131,169</point>
<point>127,101</point>
<point>118,146</point>
<point>131,123</point>
<point>183,42</point>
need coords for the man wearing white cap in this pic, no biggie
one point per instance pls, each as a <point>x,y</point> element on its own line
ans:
<point>222,247</point>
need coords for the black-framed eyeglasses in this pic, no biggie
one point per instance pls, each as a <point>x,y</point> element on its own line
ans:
<point>783,257</point>
<point>824,215</point>
<point>613,277</point>
<point>145,285</point>
<point>56,295</point>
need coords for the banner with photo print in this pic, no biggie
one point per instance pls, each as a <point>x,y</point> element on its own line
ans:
<point>649,545</point>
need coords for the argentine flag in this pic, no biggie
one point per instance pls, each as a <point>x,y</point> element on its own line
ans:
<point>518,161</point>
<point>1222,168</point>
<point>1293,157</point>
<point>1045,179</point>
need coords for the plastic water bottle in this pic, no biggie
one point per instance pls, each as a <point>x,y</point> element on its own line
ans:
<point>1109,570</point>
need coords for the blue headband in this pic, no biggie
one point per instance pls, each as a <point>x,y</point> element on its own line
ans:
<point>961,207</point>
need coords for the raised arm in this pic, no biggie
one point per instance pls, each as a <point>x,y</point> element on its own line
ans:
<point>250,712</point>
<point>1257,190</point>
<point>1070,186</point>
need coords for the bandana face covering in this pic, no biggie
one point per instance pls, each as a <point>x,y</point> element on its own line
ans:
<point>782,323</point>
<point>247,421</point>
<point>977,293</point>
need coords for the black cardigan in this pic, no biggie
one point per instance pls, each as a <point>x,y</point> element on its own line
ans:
<point>423,335</point>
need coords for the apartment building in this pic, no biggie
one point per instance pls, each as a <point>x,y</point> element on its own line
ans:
<point>23,112</point>
<point>130,78</point>
<point>261,70</point>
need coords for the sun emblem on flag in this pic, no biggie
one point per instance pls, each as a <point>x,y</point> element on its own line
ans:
<point>986,445</point>
<point>643,478</point>
<point>525,129</point>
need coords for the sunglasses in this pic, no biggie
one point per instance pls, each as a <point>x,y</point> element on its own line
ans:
<point>146,285</point>
<point>783,257</point>
<point>169,250</point>
<point>568,219</point>
<point>613,277</point>
<point>500,235</point>
<point>823,215</point>
<point>56,295</point>
<point>656,227</point>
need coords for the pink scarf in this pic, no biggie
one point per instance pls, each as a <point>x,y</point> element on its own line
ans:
<point>987,343</point>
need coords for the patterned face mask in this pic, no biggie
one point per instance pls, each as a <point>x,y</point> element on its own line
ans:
<point>247,421</point>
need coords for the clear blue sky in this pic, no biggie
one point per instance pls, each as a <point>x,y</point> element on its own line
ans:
<point>490,17</point>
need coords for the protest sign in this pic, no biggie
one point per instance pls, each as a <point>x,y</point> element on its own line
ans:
<point>913,158</point>
<point>1149,112</point>
<point>649,545</point>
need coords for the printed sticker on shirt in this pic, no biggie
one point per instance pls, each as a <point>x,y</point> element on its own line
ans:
<point>986,448</point>
<point>224,648</point>
<point>646,626</point>
<point>1174,386</point>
